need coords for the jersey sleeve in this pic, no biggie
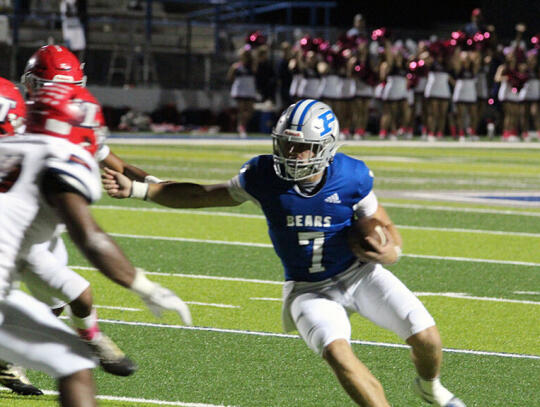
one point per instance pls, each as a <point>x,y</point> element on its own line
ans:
<point>367,206</point>
<point>364,177</point>
<point>102,152</point>
<point>74,172</point>
<point>238,185</point>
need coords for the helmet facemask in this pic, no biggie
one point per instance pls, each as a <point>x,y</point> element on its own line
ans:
<point>309,128</point>
<point>33,83</point>
<point>291,168</point>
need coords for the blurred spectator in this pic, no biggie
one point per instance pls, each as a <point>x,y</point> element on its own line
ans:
<point>134,121</point>
<point>285,75</point>
<point>359,27</point>
<point>72,28</point>
<point>135,5</point>
<point>265,78</point>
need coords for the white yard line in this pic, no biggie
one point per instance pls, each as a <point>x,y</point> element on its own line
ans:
<point>204,304</point>
<point>460,209</point>
<point>450,295</point>
<point>472,260</point>
<point>278,335</point>
<point>185,239</point>
<point>267,245</point>
<point>247,280</point>
<point>140,400</point>
<point>386,204</point>
<point>178,211</point>
<point>463,230</point>
<point>261,217</point>
<point>197,276</point>
<point>473,297</point>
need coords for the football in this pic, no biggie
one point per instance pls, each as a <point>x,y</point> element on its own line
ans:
<point>361,228</point>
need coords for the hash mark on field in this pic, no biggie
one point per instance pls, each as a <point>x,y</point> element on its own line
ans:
<point>206,304</point>
<point>118,308</point>
<point>265,299</point>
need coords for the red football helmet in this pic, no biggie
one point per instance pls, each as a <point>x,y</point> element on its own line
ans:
<point>52,63</point>
<point>69,112</point>
<point>12,108</point>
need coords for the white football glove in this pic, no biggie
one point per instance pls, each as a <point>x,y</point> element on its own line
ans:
<point>158,298</point>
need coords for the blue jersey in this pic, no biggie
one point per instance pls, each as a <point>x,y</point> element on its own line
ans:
<point>309,232</point>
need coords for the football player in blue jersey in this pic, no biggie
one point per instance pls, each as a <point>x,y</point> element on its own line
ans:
<point>309,194</point>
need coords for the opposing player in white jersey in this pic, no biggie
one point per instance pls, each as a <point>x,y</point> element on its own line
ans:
<point>49,177</point>
<point>12,115</point>
<point>309,194</point>
<point>47,274</point>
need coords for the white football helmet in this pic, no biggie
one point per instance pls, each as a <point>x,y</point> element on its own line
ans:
<point>306,125</point>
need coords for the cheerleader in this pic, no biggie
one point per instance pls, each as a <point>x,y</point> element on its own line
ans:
<point>437,93</point>
<point>530,95</point>
<point>348,94</point>
<point>394,96</point>
<point>419,88</point>
<point>294,69</point>
<point>466,65</point>
<point>309,85</point>
<point>242,76</point>
<point>508,95</point>
<point>330,81</point>
<point>482,86</point>
<point>361,68</point>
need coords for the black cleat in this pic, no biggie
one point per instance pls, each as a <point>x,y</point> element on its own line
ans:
<point>111,358</point>
<point>14,378</point>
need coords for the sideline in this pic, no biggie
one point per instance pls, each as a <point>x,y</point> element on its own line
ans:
<point>232,139</point>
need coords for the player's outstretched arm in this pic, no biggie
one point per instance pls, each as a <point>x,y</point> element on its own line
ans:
<point>102,251</point>
<point>171,194</point>
<point>116,163</point>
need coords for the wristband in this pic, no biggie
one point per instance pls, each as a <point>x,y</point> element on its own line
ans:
<point>139,190</point>
<point>150,179</point>
<point>141,285</point>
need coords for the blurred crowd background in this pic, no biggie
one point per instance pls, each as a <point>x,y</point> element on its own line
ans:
<point>231,66</point>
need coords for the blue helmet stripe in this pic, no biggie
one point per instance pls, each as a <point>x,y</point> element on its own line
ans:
<point>294,111</point>
<point>300,122</point>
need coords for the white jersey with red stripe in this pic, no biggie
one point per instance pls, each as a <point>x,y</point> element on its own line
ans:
<point>26,162</point>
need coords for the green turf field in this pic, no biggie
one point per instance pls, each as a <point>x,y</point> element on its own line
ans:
<point>475,263</point>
